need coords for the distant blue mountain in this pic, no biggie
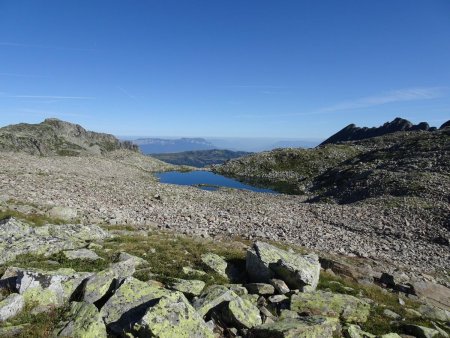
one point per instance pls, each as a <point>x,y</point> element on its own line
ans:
<point>164,146</point>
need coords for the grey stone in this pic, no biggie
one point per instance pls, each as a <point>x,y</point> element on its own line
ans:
<point>391,314</point>
<point>280,286</point>
<point>172,316</point>
<point>188,287</point>
<point>212,297</point>
<point>242,313</point>
<point>84,321</point>
<point>264,261</point>
<point>260,288</point>
<point>127,305</point>
<point>11,306</point>
<point>85,254</point>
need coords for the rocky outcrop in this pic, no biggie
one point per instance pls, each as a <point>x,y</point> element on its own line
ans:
<point>354,133</point>
<point>56,137</point>
<point>11,306</point>
<point>264,261</point>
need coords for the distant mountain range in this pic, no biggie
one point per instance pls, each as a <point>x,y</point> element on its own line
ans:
<point>200,158</point>
<point>163,146</point>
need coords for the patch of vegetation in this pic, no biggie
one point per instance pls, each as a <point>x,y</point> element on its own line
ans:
<point>39,325</point>
<point>167,254</point>
<point>58,261</point>
<point>32,218</point>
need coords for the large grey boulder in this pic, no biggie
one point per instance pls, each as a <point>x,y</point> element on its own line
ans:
<point>349,308</point>
<point>420,331</point>
<point>84,321</point>
<point>129,304</point>
<point>213,296</point>
<point>303,327</point>
<point>265,261</point>
<point>48,288</point>
<point>11,306</point>
<point>172,316</point>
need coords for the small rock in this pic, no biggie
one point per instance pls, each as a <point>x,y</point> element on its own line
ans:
<point>188,287</point>
<point>260,288</point>
<point>63,213</point>
<point>215,263</point>
<point>85,254</point>
<point>123,256</point>
<point>280,286</point>
<point>193,272</point>
<point>391,314</point>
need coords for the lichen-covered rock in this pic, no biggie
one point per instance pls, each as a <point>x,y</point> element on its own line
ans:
<point>17,238</point>
<point>188,287</point>
<point>11,306</point>
<point>237,289</point>
<point>187,270</point>
<point>280,286</point>
<point>354,331</point>
<point>420,331</point>
<point>129,303</point>
<point>84,321</point>
<point>212,297</point>
<point>349,308</point>
<point>172,316</point>
<point>260,288</point>
<point>264,261</point>
<point>434,313</point>
<point>99,285</point>
<point>215,263</point>
<point>123,256</point>
<point>48,288</point>
<point>301,272</point>
<point>81,254</point>
<point>242,313</point>
<point>304,327</point>
<point>13,331</point>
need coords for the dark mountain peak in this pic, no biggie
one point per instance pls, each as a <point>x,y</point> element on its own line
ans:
<point>445,125</point>
<point>354,133</point>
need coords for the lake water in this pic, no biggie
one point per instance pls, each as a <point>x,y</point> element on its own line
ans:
<point>206,180</point>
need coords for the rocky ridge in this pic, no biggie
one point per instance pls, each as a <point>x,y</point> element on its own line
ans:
<point>354,133</point>
<point>56,137</point>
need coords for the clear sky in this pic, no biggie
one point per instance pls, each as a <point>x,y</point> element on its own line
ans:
<point>251,68</point>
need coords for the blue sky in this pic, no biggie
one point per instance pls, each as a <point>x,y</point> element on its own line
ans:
<point>256,68</point>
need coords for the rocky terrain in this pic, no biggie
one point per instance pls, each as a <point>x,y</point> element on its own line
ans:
<point>56,137</point>
<point>96,243</point>
<point>77,281</point>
